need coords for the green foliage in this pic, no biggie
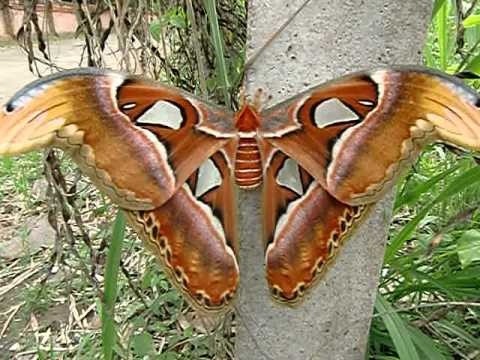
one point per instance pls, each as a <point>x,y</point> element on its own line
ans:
<point>397,329</point>
<point>471,21</point>
<point>427,306</point>
<point>18,176</point>
<point>211,53</point>
<point>474,65</point>
<point>111,281</point>
<point>174,17</point>
<point>458,184</point>
<point>443,35</point>
<point>142,345</point>
<point>468,248</point>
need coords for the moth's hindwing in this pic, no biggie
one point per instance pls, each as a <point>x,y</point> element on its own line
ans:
<point>193,236</point>
<point>304,228</point>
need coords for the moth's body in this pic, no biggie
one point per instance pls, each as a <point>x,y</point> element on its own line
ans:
<point>323,156</point>
<point>248,161</point>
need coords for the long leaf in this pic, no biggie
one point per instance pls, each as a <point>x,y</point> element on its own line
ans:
<point>398,330</point>
<point>468,247</point>
<point>474,65</point>
<point>110,295</point>
<point>441,20</point>
<point>436,6</point>
<point>458,332</point>
<point>210,6</point>
<point>414,194</point>
<point>458,184</point>
<point>426,345</point>
<point>471,21</point>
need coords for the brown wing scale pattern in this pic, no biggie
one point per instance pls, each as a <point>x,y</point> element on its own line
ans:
<point>79,112</point>
<point>194,239</point>
<point>305,231</point>
<point>399,111</point>
<point>354,151</point>
<point>169,159</point>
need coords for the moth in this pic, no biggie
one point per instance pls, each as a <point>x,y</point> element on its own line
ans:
<point>171,161</point>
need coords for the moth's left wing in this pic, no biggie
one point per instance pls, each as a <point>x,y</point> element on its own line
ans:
<point>304,226</point>
<point>355,134</point>
<point>193,236</point>
<point>137,140</point>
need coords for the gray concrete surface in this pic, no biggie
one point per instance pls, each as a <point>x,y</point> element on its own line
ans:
<point>322,42</point>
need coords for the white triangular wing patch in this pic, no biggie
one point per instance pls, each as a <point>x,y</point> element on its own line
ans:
<point>333,111</point>
<point>163,113</point>
<point>208,178</point>
<point>289,176</point>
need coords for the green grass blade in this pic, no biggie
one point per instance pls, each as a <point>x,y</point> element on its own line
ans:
<point>474,65</point>
<point>471,21</point>
<point>110,292</point>
<point>459,332</point>
<point>428,57</point>
<point>424,283</point>
<point>426,345</point>
<point>441,20</point>
<point>221,66</point>
<point>468,247</point>
<point>398,330</point>
<point>414,194</point>
<point>458,184</point>
<point>436,6</point>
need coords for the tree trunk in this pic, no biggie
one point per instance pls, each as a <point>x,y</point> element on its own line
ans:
<point>322,42</point>
<point>7,18</point>
<point>50,18</point>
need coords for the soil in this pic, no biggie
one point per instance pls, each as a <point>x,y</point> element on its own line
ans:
<point>14,74</point>
<point>14,71</point>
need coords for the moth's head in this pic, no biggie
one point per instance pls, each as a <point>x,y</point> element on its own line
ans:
<point>32,118</point>
<point>247,119</point>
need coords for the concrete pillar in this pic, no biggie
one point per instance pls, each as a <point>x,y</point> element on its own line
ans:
<point>326,39</point>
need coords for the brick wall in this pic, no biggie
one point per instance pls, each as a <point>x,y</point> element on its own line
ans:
<point>64,18</point>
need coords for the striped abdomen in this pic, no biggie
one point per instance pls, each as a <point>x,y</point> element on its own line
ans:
<point>248,164</point>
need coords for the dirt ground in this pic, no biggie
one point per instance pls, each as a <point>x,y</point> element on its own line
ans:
<point>14,72</point>
<point>64,52</point>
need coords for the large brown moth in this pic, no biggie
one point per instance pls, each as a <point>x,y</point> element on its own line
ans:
<point>171,160</point>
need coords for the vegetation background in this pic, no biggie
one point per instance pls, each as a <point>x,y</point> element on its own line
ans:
<point>58,302</point>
